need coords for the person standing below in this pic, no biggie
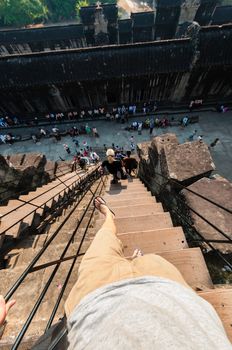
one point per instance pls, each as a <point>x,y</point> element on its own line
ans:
<point>132,147</point>
<point>87,129</point>
<point>94,157</point>
<point>34,138</point>
<point>132,139</point>
<point>56,133</point>
<point>113,166</point>
<point>140,127</point>
<point>185,121</point>
<point>75,163</point>
<point>130,164</point>
<point>134,109</point>
<point>43,132</point>
<point>95,132</point>
<point>66,148</point>
<point>215,142</point>
<point>191,137</point>
<point>151,126</point>
<point>82,162</point>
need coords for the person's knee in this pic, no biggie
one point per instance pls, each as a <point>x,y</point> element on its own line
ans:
<point>153,263</point>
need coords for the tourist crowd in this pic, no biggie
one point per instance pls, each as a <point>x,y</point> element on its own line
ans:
<point>119,113</point>
<point>114,113</point>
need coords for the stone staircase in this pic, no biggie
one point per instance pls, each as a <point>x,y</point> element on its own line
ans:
<point>28,210</point>
<point>141,223</point>
<point>21,256</point>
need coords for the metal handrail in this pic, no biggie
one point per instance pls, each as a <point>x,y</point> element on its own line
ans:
<point>196,193</point>
<point>207,241</point>
<point>46,287</point>
<point>198,214</point>
<point>29,202</point>
<point>40,253</point>
<point>29,188</point>
<point>54,262</point>
<point>70,270</point>
<point>40,207</point>
<point>58,168</point>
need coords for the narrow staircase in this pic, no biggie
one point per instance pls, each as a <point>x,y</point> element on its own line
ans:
<point>142,223</point>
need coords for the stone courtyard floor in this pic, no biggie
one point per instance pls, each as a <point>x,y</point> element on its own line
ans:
<point>211,125</point>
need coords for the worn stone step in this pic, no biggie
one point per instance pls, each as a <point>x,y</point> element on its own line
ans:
<point>131,187</point>
<point>53,252</point>
<point>117,194</point>
<point>12,204</point>
<point>131,202</point>
<point>125,183</point>
<point>131,180</point>
<point>20,218</point>
<point>136,210</point>
<point>191,264</point>
<point>141,223</point>
<point>221,299</point>
<point>26,295</point>
<point>21,203</point>
<point>49,197</point>
<point>125,187</point>
<point>124,196</point>
<point>153,241</point>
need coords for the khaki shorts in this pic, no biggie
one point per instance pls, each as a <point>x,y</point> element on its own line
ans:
<point>104,263</point>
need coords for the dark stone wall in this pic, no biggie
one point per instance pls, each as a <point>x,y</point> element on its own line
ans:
<point>100,25</point>
<point>71,76</point>
<point>168,72</point>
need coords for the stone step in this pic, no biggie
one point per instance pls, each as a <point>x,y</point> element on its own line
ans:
<point>127,196</point>
<point>153,241</point>
<point>12,204</point>
<point>137,210</point>
<point>191,264</point>
<point>47,198</point>
<point>26,295</point>
<point>40,191</point>
<point>221,299</point>
<point>131,202</point>
<point>131,180</point>
<point>125,187</point>
<point>141,223</point>
<point>21,218</point>
<point>127,191</point>
<point>53,252</point>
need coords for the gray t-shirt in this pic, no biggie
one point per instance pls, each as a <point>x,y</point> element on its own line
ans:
<point>145,313</point>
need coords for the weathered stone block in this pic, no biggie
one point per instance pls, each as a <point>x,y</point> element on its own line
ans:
<point>159,142</point>
<point>17,159</point>
<point>2,237</point>
<point>188,161</point>
<point>218,190</point>
<point>50,169</point>
<point>36,160</point>
<point>143,149</point>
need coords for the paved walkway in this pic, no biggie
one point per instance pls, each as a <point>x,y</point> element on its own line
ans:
<point>211,125</point>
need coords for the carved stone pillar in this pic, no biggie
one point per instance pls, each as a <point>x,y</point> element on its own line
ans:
<point>58,101</point>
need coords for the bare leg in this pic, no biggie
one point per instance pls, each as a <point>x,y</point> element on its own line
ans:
<point>99,265</point>
<point>105,242</point>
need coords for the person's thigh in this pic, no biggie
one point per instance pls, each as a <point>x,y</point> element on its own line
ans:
<point>155,265</point>
<point>105,243</point>
<point>95,272</point>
